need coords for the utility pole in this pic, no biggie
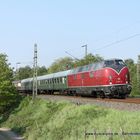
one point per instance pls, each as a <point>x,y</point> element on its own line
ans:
<point>138,73</point>
<point>85,49</point>
<point>35,72</point>
<point>17,71</point>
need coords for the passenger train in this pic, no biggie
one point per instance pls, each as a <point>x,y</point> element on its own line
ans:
<point>107,78</point>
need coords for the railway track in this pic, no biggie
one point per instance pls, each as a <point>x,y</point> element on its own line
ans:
<point>131,104</point>
<point>127,100</point>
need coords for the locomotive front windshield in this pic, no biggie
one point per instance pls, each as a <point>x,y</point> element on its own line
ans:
<point>115,64</point>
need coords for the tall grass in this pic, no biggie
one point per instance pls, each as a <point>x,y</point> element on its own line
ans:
<point>45,120</point>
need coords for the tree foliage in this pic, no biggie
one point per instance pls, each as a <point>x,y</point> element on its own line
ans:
<point>42,70</point>
<point>24,72</point>
<point>27,71</point>
<point>7,90</point>
<point>61,64</point>
<point>69,63</point>
<point>90,58</point>
<point>133,76</point>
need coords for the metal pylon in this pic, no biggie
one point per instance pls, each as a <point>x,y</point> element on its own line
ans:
<point>35,72</point>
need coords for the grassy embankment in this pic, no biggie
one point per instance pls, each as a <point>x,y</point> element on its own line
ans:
<point>44,120</point>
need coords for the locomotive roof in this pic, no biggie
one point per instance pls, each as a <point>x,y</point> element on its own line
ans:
<point>26,80</point>
<point>54,75</point>
<point>89,67</point>
<point>112,59</point>
<point>48,76</point>
<point>92,66</point>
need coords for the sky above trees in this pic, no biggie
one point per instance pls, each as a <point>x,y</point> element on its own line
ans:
<point>109,28</point>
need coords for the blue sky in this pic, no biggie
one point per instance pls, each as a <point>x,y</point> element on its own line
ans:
<point>65,25</point>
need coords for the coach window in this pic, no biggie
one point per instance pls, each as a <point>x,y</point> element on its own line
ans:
<point>61,80</point>
<point>58,80</point>
<point>39,83</point>
<point>65,79</point>
<point>55,80</point>
<point>50,81</point>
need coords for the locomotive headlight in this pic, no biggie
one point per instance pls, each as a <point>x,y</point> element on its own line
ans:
<point>110,79</point>
<point>126,78</point>
<point>19,85</point>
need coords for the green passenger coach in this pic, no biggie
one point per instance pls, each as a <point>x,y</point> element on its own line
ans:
<point>53,82</point>
<point>47,83</point>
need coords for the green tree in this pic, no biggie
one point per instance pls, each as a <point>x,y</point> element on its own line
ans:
<point>133,76</point>
<point>69,63</point>
<point>24,72</point>
<point>42,71</point>
<point>90,58</point>
<point>61,64</point>
<point>27,72</point>
<point>7,90</point>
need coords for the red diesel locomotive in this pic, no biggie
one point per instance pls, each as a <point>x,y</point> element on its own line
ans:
<point>106,78</point>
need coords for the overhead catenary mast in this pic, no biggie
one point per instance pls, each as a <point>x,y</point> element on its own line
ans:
<point>35,72</point>
<point>85,46</point>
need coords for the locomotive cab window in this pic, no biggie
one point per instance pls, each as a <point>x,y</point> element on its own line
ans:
<point>120,62</point>
<point>111,63</point>
<point>116,64</point>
